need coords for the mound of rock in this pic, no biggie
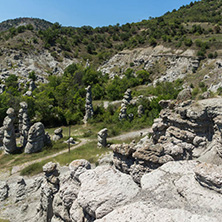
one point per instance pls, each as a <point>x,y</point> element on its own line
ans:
<point>188,130</point>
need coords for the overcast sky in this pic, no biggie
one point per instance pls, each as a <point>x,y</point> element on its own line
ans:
<point>88,12</point>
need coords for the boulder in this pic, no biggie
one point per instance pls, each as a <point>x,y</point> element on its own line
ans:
<point>4,188</point>
<point>36,138</point>
<point>103,189</point>
<point>58,134</point>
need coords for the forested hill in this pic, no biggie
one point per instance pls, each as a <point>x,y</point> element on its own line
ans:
<point>179,28</point>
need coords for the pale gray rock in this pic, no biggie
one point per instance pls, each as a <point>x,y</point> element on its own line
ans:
<point>209,175</point>
<point>185,94</point>
<point>170,193</point>
<point>4,189</point>
<point>102,136</point>
<point>76,212</point>
<point>123,114</point>
<point>77,167</point>
<point>20,190</point>
<point>88,106</point>
<point>127,98</point>
<point>9,142</point>
<point>1,138</point>
<point>70,140</point>
<point>103,189</point>
<point>140,110</point>
<point>36,138</point>
<point>24,123</point>
<point>58,134</point>
<point>48,190</point>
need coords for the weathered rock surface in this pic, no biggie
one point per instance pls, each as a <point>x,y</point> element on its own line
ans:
<point>102,136</point>
<point>37,138</point>
<point>170,193</point>
<point>58,134</point>
<point>24,123</point>
<point>9,142</point>
<point>189,130</point>
<point>3,190</point>
<point>88,106</point>
<point>107,190</point>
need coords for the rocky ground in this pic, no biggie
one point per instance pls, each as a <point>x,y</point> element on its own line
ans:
<point>174,174</point>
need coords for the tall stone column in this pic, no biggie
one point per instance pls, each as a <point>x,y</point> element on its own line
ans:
<point>9,140</point>
<point>24,123</point>
<point>88,106</point>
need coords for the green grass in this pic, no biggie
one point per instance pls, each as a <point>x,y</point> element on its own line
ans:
<point>88,151</point>
<point>8,161</point>
<point>3,220</point>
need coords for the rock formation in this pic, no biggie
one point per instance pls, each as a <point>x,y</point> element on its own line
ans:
<point>48,190</point>
<point>189,130</point>
<point>102,136</point>
<point>1,137</point>
<point>24,123</point>
<point>32,86</point>
<point>20,189</point>
<point>58,134</point>
<point>123,114</point>
<point>126,98</point>
<point>177,191</point>
<point>37,138</point>
<point>3,190</point>
<point>88,105</point>
<point>9,142</point>
<point>140,110</point>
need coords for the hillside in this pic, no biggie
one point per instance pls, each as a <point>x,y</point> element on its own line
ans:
<point>184,44</point>
<point>196,26</point>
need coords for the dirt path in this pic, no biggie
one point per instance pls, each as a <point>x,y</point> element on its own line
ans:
<point>124,136</point>
<point>18,168</point>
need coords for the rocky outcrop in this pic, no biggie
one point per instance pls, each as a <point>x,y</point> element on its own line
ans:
<point>140,110</point>
<point>9,142</point>
<point>48,190</point>
<point>107,190</point>
<point>20,190</point>
<point>189,130</point>
<point>177,191</point>
<point>58,134</point>
<point>88,106</point>
<point>24,123</point>
<point>126,98</point>
<point>170,193</point>
<point>37,138</point>
<point>4,188</point>
<point>102,136</point>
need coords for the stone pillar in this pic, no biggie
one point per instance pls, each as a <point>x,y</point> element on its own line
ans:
<point>102,136</point>
<point>37,138</point>
<point>9,140</point>
<point>58,134</point>
<point>88,105</point>
<point>127,98</point>
<point>123,114</point>
<point>140,110</point>
<point>24,123</point>
<point>49,188</point>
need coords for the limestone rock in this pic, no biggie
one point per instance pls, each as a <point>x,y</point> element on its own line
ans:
<point>88,106</point>
<point>209,175</point>
<point>170,193</point>
<point>185,94</point>
<point>123,114</point>
<point>36,138</point>
<point>140,110</point>
<point>21,189</point>
<point>4,188</point>
<point>9,142</point>
<point>107,190</point>
<point>58,134</point>
<point>1,137</point>
<point>24,123</point>
<point>77,167</point>
<point>102,135</point>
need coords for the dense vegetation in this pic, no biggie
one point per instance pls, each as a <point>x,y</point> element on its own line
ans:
<point>197,25</point>
<point>62,100</point>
